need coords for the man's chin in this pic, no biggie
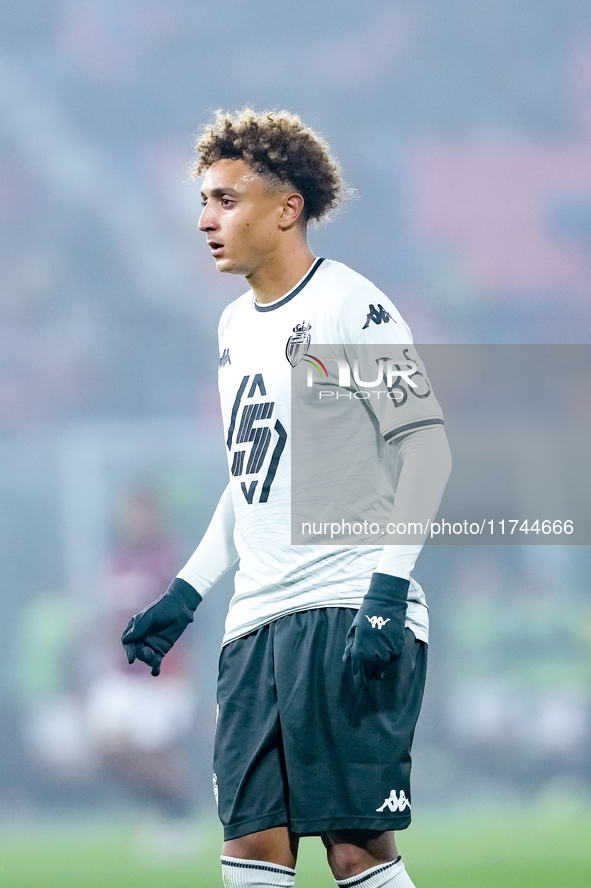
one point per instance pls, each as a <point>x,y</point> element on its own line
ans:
<point>227,267</point>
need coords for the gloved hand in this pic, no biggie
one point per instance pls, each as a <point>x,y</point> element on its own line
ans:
<point>376,636</point>
<point>151,633</point>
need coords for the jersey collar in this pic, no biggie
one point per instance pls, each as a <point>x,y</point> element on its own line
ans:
<point>297,289</point>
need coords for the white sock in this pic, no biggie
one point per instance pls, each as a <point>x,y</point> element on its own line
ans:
<point>238,873</point>
<point>385,875</point>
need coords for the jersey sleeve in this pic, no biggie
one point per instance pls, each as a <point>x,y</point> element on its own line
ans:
<point>426,466</point>
<point>216,553</point>
<point>378,346</point>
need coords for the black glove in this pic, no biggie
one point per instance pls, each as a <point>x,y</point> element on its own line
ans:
<point>376,636</point>
<point>151,633</point>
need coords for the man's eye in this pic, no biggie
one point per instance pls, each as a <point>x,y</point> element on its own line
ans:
<point>203,202</point>
<point>226,202</point>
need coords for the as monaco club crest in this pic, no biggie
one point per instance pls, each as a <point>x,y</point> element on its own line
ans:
<point>298,345</point>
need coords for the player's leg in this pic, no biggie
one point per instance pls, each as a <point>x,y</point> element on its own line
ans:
<point>264,858</point>
<point>249,781</point>
<point>276,845</point>
<point>365,858</point>
<point>350,852</point>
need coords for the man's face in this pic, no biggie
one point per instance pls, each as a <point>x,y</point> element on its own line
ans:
<point>240,217</point>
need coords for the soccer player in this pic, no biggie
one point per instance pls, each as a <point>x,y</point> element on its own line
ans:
<point>323,659</point>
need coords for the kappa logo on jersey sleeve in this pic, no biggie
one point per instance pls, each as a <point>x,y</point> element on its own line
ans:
<point>225,358</point>
<point>378,315</point>
<point>250,435</point>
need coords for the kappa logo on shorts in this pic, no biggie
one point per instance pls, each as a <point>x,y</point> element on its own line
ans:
<point>395,802</point>
<point>215,787</point>
<point>377,622</point>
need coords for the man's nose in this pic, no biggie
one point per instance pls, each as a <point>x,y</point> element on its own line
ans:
<point>207,219</point>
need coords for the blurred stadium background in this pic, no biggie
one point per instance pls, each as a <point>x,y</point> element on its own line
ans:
<point>466,129</point>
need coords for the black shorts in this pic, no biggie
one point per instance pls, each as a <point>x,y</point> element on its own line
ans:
<point>298,745</point>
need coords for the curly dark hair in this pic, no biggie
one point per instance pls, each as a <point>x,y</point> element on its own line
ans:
<point>281,149</point>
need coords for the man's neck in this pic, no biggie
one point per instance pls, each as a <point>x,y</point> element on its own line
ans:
<point>281,273</point>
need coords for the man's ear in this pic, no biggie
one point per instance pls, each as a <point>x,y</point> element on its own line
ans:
<point>292,210</point>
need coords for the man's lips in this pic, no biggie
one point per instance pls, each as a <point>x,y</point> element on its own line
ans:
<point>215,247</point>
